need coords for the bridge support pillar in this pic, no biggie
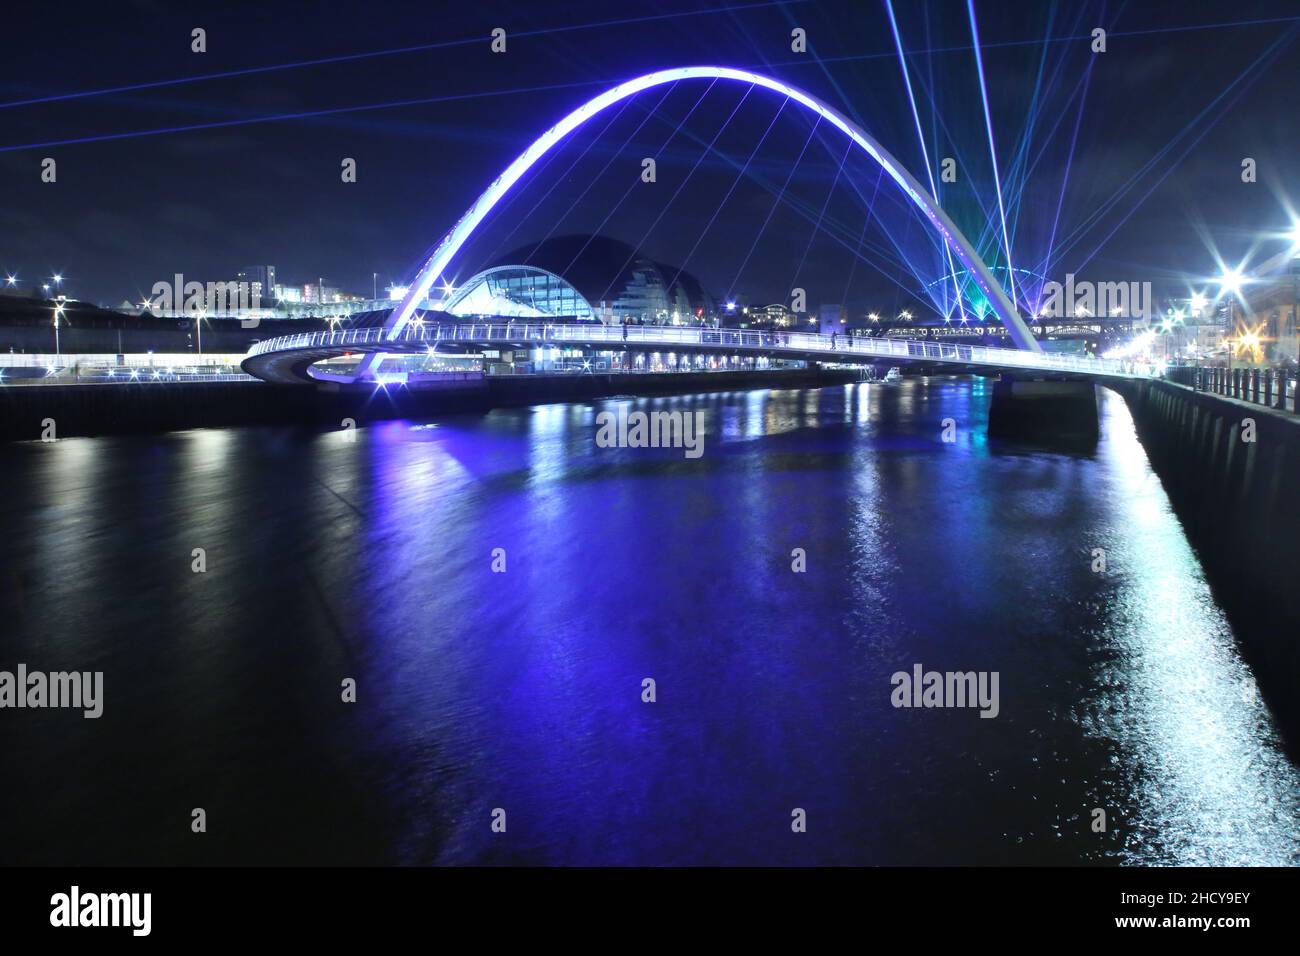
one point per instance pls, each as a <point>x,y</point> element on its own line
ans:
<point>1053,412</point>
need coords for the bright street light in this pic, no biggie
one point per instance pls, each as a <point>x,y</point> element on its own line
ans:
<point>1231,281</point>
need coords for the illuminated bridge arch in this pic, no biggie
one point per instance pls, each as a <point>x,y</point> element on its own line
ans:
<point>961,247</point>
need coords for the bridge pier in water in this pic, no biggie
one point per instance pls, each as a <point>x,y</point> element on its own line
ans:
<point>1045,411</point>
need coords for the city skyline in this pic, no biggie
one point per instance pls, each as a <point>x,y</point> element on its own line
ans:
<point>771,435</point>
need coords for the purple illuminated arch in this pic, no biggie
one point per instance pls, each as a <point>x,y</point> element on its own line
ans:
<point>451,243</point>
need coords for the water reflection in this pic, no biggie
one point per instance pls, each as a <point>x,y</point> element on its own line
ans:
<point>371,556</point>
<point>1205,779</point>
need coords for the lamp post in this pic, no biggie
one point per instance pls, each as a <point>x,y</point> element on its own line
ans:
<point>1295,327</point>
<point>1174,319</point>
<point>1232,280</point>
<point>58,311</point>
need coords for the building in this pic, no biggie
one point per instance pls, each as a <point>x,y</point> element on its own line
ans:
<point>289,293</point>
<point>317,293</point>
<point>584,279</point>
<point>831,320</point>
<point>775,315</point>
<point>1271,312</point>
<point>735,312</point>
<point>259,279</point>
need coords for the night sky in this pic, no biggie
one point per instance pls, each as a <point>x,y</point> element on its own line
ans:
<point>1154,156</point>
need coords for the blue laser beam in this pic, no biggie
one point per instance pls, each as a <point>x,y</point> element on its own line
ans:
<point>396,51</point>
<point>993,152</point>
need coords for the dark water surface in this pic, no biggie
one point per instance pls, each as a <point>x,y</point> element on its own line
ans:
<point>372,559</point>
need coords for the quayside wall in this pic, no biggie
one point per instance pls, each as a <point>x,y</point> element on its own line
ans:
<point>1239,500</point>
<point>100,409</point>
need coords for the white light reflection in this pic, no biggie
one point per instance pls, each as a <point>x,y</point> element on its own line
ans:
<point>1196,746</point>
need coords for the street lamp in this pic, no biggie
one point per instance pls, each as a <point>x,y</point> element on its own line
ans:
<point>58,311</point>
<point>1250,341</point>
<point>1231,282</point>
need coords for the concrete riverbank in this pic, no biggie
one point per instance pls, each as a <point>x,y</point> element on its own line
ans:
<point>1230,468</point>
<point>77,410</point>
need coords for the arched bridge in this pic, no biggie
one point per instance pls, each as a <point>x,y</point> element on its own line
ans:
<point>291,358</point>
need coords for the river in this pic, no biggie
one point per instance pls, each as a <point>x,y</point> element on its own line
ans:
<point>369,555</point>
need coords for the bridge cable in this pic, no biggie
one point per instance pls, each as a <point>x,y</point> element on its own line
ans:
<point>734,183</point>
<point>677,192</point>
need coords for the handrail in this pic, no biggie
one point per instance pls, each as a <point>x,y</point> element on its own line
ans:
<point>698,337</point>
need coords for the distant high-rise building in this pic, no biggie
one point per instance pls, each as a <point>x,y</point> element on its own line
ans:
<point>260,279</point>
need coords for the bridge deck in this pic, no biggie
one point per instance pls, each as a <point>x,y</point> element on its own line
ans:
<point>286,358</point>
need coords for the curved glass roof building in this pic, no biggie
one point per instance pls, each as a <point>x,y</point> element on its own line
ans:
<point>583,278</point>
